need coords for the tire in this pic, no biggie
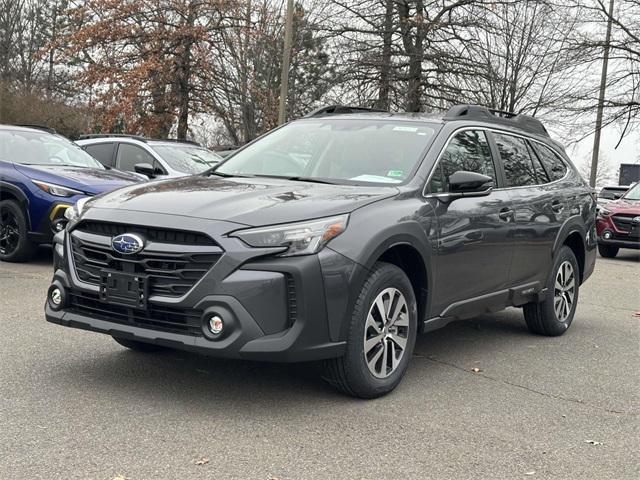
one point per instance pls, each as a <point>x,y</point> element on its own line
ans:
<point>138,346</point>
<point>608,251</point>
<point>351,373</point>
<point>15,245</point>
<point>542,318</point>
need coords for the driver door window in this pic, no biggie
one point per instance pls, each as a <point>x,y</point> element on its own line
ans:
<point>469,151</point>
<point>131,155</point>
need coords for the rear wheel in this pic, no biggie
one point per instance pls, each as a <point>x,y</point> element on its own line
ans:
<point>15,245</point>
<point>381,337</point>
<point>554,315</point>
<point>608,251</point>
<point>138,346</point>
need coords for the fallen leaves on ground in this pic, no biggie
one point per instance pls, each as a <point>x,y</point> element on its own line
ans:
<point>202,461</point>
<point>593,442</point>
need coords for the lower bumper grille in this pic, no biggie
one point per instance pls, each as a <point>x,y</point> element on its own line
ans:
<point>165,319</point>
<point>623,222</point>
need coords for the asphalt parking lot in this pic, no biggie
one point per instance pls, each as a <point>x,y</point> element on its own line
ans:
<point>75,405</point>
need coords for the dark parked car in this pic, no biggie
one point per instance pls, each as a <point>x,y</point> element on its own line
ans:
<point>337,238</point>
<point>157,159</point>
<point>41,175</point>
<point>618,224</point>
<point>610,193</point>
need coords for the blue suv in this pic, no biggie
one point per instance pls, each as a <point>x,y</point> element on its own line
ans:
<point>41,175</point>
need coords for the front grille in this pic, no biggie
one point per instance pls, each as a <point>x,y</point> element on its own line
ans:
<point>166,319</point>
<point>171,270</point>
<point>623,222</point>
<point>160,235</point>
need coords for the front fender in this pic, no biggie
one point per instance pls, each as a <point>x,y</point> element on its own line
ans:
<point>374,230</point>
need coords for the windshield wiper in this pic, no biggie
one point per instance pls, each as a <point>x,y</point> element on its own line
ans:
<point>227,175</point>
<point>301,179</point>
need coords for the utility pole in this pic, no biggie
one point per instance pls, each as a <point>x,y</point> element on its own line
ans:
<point>603,86</point>
<point>286,61</point>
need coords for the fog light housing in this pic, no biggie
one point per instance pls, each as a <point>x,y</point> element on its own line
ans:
<point>607,235</point>
<point>216,325</point>
<point>59,225</point>
<point>56,297</point>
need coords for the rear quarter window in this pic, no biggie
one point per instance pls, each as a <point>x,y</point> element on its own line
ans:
<point>553,164</point>
<point>103,152</point>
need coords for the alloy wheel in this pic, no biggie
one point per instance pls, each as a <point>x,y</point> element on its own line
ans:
<point>564,291</point>
<point>386,332</point>
<point>9,232</point>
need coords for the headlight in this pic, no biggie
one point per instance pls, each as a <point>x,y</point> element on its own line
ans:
<point>57,190</point>
<point>302,238</point>
<point>73,213</point>
<point>603,212</point>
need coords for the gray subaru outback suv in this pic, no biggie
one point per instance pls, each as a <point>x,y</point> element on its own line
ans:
<point>336,238</point>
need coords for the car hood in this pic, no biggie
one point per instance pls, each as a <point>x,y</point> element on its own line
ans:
<point>624,206</point>
<point>89,180</point>
<point>248,201</point>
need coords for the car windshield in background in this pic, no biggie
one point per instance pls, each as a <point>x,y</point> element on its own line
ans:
<point>186,159</point>
<point>40,148</point>
<point>633,193</point>
<point>337,150</point>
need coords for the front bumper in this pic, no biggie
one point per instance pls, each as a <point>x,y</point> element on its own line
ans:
<point>276,308</point>
<point>609,234</point>
<point>48,226</point>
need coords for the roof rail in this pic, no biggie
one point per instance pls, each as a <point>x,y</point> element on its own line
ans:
<point>107,135</point>
<point>478,112</point>
<point>38,127</point>
<point>340,109</point>
<point>175,140</point>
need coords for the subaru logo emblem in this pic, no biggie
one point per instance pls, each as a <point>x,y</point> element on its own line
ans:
<point>127,243</point>
<point>636,219</point>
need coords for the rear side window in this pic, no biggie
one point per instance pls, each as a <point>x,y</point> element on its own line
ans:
<point>103,152</point>
<point>553,164</point>
<point>131,155</point>
<point>468,151</point>
<point>517,163</point>
<point>541,173</point>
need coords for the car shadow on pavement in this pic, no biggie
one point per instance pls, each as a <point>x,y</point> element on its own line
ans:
<point>624,255</point>
<point>206,384</point>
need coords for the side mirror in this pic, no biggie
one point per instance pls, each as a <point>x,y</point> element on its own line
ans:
<point>145,169</point>
<point>617,196</point>
<point>469,184</point>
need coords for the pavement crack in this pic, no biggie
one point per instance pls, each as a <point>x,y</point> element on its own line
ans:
<point>524,387</point>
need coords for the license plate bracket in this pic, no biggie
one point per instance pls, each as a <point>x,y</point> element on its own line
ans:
<point>126,289</point>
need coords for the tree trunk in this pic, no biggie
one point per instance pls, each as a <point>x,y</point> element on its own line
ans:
<point>184,79</point>
<point>412,30</point>
<point>385,62</point>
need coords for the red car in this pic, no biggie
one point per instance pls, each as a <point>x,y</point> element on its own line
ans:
<point>618,224</point>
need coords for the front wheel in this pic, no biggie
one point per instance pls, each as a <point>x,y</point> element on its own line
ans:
<point>553,316</point>
<point>608,251</point>
<point>381,337</point>
<point>15,245</point>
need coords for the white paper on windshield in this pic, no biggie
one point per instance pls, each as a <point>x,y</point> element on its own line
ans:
<point>375,178</point>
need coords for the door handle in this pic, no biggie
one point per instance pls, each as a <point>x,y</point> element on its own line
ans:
<point>556,206</point>
<point>505,214</point>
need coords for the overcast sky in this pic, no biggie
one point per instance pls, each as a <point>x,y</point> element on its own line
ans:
<point>627,152</point>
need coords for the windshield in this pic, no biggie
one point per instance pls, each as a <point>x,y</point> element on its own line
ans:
<point>187,159</point>
<point>341,150</point>
<point>42,148</point>
<point>633,193</point>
